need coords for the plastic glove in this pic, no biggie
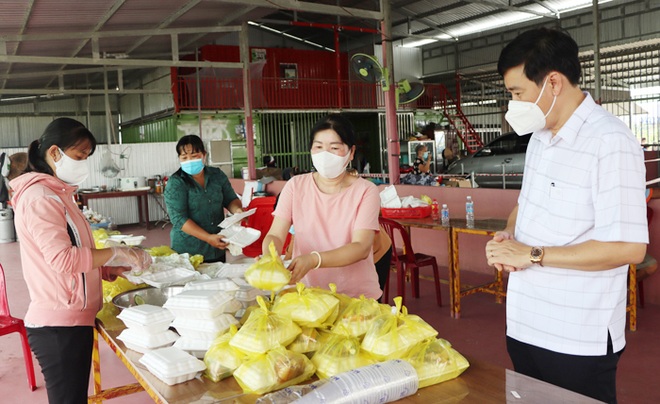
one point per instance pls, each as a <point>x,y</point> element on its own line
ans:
<point>135,258</point>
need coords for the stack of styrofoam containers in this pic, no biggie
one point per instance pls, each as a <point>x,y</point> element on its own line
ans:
<point>172,365</point>
<point>147,328</point>
<point>200,316</point>
<point>247,295</point>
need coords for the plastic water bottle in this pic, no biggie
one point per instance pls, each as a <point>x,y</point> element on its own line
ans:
<point>469,212</point>
<point>444,215</point>
<point>435,212</point>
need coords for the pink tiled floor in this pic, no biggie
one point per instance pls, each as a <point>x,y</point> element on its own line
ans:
<point>478,334</point>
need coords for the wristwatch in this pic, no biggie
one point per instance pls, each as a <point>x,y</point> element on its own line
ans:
<point>536,255</point>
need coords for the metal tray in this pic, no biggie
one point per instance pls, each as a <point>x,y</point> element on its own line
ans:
<point>150,295</point>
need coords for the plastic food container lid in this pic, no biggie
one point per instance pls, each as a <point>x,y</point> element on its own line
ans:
<point>198,299</point>
<point>218,324</point>
<point>145,315</point>
<point>146,340</point>
<point>172,365</point>
<point>223,284</point>
<point>193,344</point>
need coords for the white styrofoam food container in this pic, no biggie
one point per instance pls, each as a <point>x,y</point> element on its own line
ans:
<point>147,318</point>
<point>194,346</point>
<point>199,303</point>
<point>123,239</point>
<point>226,285</point>
<point>172,365</point>
<point>204,328</point>
<point>143,342</point>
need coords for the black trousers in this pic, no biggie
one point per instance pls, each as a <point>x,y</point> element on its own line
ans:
<point>592,376</point>
<point>65,357</point>
<point>383,268</point>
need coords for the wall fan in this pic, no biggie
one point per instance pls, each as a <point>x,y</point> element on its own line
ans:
<point>368,68</point>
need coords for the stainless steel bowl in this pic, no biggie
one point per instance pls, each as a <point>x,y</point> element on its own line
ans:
<point>150,295</point>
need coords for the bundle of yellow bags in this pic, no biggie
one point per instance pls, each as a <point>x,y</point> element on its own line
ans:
<point>307,307</point>
<point>276,369</point>
<point>264,330</point>
<point>222,359</point>
<point>269,272</point>
<point>392,335</point>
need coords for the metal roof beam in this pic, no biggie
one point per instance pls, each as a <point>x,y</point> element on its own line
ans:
<point>115,62</point>
<point>118,34</point>
<point>512,8</point>
<point>310,7</point>
<point>57,91</point>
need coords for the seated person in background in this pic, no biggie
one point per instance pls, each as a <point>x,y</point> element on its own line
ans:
<point>270,169</point>
<point>422,164</point>
<point>336,222</point>
<point>196,197</point>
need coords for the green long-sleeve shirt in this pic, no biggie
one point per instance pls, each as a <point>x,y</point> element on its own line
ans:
<point>186,199</point>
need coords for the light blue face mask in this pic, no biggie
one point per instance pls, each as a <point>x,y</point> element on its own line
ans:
<point>192,167</point>
<point>426,155</point>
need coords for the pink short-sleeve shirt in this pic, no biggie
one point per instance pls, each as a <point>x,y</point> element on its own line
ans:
<point>325,222</point>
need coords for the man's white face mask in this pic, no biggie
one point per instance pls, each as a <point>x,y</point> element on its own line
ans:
<point>526,117</point>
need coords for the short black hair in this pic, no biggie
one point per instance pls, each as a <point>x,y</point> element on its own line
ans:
<point>340,124</point>
<point>193,140</point>
<point>62,132</point>
<point>542,50</point>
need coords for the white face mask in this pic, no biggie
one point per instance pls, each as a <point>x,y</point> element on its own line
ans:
<point>71,171</point>
<point>330,165</point>
<point>526,117</point>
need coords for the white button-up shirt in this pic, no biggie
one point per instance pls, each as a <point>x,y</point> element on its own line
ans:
<point>585,183</point>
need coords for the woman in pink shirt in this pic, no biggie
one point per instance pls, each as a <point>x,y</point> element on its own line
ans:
<point>335,216</point>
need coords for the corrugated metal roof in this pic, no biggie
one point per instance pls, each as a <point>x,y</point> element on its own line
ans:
<point>21,20</point>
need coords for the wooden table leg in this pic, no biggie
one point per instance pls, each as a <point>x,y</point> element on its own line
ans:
<point>455,278</point>
<point>96,364</point>
<point>632,296</point>
<point>145,200</point>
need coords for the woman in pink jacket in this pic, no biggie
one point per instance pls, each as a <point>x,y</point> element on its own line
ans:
<point>61,266</point>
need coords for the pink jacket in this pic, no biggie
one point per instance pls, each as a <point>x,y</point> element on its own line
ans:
<point>64,288</point>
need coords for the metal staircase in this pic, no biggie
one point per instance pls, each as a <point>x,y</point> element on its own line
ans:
<point>451,109</point>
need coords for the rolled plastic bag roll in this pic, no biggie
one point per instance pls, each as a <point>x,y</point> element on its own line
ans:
<point>382,382</point>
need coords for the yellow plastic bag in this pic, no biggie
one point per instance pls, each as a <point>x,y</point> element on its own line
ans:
<point>264,330</point>
<point>269,272</point>
<point>436,361</point>
<point>222,359</point>
<point>391,336</point>
<point>340,353</point>
<point>274,370</point>
<point>359,315</point>
<point>309,340</point>
<point>344,301</point>
<point>100,235</point>
<point>161,251</point>
<point>307,308</point>
<point>119,285</point>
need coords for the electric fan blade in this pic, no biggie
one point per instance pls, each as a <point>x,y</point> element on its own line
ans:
<point>366,67</point>
<point>416,90</point>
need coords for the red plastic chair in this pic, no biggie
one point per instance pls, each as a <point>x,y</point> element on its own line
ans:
<point>261,220</point>
<point>9,324</point>
<point>408,261</point>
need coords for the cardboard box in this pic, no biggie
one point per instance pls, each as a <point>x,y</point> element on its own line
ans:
<point>458,182</point>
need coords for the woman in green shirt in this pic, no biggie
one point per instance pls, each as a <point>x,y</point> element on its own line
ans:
<point>196,196</point>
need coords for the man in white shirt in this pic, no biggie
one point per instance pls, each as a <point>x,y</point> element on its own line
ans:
<point>579,222</point>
